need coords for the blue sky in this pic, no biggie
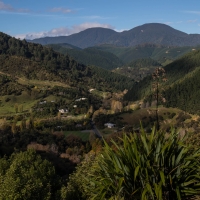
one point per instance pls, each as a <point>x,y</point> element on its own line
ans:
<point>31,19</point>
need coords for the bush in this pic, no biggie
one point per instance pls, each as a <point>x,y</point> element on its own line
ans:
<point>7,99</point>
<point>144,167</point>
<point>172,115</point>
<point>26,176</point>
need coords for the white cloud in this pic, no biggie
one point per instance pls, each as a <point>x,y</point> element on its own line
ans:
<point>62,31</point>
<point>120,30</point>
<point>9,8</point>
<point>191,21</point>
<point>95,17</point>
<point>60,9</point>
<point>192,12</point>
<point>5,7</point>
<point>168,23</point>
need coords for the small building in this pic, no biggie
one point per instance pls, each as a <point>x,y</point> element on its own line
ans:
<point>42,102</point>
<point>92,89</point>
<point>63,110</point>
<point>81,99</point>
<point>109,125</point>
<point>78,125</point>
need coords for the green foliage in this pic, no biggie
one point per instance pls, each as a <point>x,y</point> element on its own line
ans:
<point>146,166</point>
<point>182,87</point>
<point>144,62</point>
<point>138,69</point>
<point>185,93</point>
<point>20,59</point>
<point>26,176</point>
<point>91,56</point>
<point>162,54</point>
<point>77,184</point>
<point>121,82</point>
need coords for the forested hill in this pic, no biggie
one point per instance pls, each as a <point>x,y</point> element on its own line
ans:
<point>143,62</point>
<point>32,61</point>
<point>162,54</point>
<point>182,88</point>
<point>84,39</point>
<point>138,69</point>
<point>90,56</point>
<point>153,33</point>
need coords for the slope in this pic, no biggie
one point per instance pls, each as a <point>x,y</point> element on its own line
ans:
<point>33,61</point>
<point>162,54</point>
<point>138,69</point>
<point>182,88</point>
<point>90,56</point>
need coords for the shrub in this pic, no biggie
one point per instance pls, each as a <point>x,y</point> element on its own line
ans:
<point>25,175</point>
<point>172,115</point>
<point>145,167</point>
<point>7,99</point>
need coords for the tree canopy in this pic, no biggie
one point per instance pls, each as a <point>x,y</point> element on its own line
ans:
<point>26,176</point>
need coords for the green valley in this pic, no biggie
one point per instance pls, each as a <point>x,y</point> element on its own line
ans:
<point>100,115</point>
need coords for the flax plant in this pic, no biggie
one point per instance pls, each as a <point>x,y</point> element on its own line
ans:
<point>146,166</point>
<point>159,76</point>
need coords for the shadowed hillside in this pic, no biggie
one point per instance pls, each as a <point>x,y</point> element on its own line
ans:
<point>33,61</point>
<point>90,56</point>
<point>182,88</point>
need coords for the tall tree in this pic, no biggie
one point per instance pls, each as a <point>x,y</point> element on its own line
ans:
<point>158,77</point>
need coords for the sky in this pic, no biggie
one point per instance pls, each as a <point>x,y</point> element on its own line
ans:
<point>31,19</point>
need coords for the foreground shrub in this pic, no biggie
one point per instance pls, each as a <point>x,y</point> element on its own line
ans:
<point>146,167</point>
<point>25,176</point>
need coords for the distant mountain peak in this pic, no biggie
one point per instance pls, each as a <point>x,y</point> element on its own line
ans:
<point>154,33</point>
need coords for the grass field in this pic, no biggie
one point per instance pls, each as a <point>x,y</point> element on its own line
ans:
<point>84,135</point>
<point>7,108</point>
<point>100,93</point>
<point>141,115</point>
<point>40,83</point>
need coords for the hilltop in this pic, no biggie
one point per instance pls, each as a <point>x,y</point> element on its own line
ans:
<point>154,33</point>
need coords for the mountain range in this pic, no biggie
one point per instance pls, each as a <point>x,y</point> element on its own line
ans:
<point>153,33</point>
<point>23,64</point>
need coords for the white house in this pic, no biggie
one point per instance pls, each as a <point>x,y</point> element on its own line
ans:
<point>81,99</point>
<point>92,89</point>
<point>43,102</point>
<point>63,110</point>
<point>109,125</point>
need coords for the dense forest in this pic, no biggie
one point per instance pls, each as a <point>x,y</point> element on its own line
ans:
<point>33,61</point>
<point>182,87</point>
<point>138,69</point>
<point>160,53</point>
<point>90,56</point>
